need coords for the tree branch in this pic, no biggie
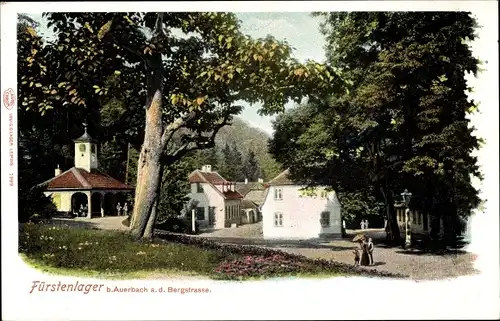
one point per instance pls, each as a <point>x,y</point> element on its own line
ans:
<point>206,142</point>
<point>174,126</point>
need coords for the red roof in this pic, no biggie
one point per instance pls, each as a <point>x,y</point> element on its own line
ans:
<point>214,178</point>
<point>78,178</point>
<point>206,177</point>
<point>230,195</point>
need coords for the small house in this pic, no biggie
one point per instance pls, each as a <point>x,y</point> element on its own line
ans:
<point>292,211</point>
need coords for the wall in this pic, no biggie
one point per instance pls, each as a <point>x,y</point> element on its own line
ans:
<point>62,200</point>
<point>209,198</point>
<point>301,214</point>
<point>234,207</point>
<point>417,221</point>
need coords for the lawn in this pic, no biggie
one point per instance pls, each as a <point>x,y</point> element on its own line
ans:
<point>114,255</point>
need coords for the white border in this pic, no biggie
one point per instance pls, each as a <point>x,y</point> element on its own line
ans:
<point>462,298</point>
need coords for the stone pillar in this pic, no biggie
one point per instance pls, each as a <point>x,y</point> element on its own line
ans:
<point>89,204</point>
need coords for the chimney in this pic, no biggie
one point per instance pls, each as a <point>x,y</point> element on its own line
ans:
<point>261,180</point>
<point>246,180</point>
<point>58,171</point>
<point>206,168</point>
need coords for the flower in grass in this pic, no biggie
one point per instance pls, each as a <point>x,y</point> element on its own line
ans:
<point>155,245</point>
<point>140,253</point>
<point>48,255</point>
<point>79,248</point>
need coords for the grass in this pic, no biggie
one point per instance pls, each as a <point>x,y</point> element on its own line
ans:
<point>109,254</point>
<point>114,255</point>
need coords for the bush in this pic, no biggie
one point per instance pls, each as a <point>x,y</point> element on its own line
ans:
<point>34,205</point>
<point>178,225</point>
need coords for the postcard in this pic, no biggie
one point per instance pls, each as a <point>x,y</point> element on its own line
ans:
<point>249,160</point>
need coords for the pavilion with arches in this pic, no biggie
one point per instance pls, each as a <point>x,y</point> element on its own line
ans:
<point>85,186</point>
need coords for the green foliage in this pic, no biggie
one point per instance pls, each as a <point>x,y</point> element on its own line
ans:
<point>251,168</point>
<point>35,205</point>
<point>403,123</point>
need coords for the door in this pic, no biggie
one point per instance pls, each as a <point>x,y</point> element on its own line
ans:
<point>211,216</point>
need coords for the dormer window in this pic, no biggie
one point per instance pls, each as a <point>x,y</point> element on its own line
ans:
<point>199,188</point>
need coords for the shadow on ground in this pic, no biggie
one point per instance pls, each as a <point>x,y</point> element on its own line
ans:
<point>70,222</point>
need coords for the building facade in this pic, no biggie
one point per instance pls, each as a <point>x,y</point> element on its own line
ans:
<point>219,204</point>
<point>291,211</point>
<point>85,190</point>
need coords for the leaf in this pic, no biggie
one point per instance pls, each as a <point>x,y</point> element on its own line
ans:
<point>95,86</point>
<point>34,51</point>
<point>72,92</point>
<point>31,31</point>
<point>31,84</point>
<point>299,72</point>
<point>53,92</point>
<point>200,100</point>
<point>79,62</point>
<point>220,38</point>
<point>118,73</point>
<point>88,27</point>
<point>38,85</point>
<point>104,30</point>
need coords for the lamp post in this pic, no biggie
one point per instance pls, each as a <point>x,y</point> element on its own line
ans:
<point>406,199</point>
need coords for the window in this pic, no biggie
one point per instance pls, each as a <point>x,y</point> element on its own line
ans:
<point>199,188</point>
<point>325,219</point>
<point>278,219</point>
<point>278,194</point>
<point>324,194</point>
<point>227,213</point>
<point>200,213</point>
<point>93,148</point>
<point>82,148</point>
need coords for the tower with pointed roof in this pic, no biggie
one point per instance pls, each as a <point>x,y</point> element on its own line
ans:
<point>85,152</point>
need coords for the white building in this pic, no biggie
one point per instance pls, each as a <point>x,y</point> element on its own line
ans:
<point>291,211</point>
<point>219,203</point>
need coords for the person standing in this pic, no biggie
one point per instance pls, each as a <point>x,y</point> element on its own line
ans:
<point>118,209</point>
<point>343,224</point>
<point>366,224</point>
<point>125,209</point>
<point>362,224</point>
<point>370,248</point>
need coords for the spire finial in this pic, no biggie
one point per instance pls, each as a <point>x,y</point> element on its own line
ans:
<point>85,126</point>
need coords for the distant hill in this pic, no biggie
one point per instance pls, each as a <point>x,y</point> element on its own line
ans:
<point>246,138</point>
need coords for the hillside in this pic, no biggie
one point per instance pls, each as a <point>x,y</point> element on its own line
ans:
<point>246,138</point>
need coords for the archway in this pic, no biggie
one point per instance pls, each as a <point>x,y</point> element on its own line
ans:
<point>79,204</point>
<point>96,204</point>
<point>109,204</point>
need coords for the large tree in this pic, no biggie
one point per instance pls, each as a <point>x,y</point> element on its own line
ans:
<point>182,86</point>
<point>403,124</point>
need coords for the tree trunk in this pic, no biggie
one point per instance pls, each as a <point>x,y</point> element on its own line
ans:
<point>148,167</point>
<point>392,229</point>
<point>149,232</point>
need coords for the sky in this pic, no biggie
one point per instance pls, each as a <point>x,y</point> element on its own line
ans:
<point>300,29</point>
